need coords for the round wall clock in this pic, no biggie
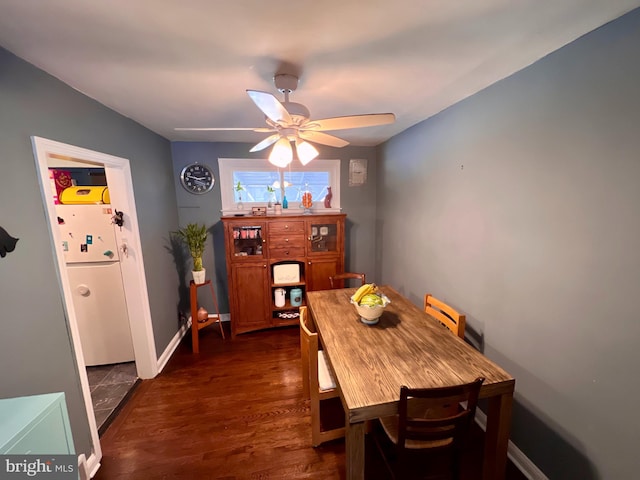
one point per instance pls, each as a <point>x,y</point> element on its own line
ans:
<point>197,178</point>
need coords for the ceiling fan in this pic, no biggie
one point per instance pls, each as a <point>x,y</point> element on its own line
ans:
<point>290,122</point>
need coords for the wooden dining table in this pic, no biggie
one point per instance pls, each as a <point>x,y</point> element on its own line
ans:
<point>406,347</point>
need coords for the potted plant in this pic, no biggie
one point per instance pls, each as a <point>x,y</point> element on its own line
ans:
<point>194,236</point>
<point>239,188</point>
<point>272,196</point>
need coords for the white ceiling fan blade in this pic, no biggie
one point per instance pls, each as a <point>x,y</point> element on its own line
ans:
<point>270,106</point>
<point>231,129</point>
<point>270,140</point>
<point>351,121</point>
<point>323,138</point>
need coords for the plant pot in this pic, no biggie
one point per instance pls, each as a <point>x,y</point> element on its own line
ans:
<point>199,276</point>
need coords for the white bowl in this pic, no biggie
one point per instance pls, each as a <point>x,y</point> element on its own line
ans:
<point>370,315</point>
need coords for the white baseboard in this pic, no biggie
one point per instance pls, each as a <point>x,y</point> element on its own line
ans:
<point>87,467</point>
<point>519,459</point>
<point>175,341</point>
<point>173,344</point>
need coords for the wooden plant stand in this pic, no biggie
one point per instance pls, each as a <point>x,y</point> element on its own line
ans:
<point>213,318</point>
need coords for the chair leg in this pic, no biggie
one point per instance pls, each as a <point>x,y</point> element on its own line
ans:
<point>378,435</point>
<point>455,467</point>
<point>315,424</point>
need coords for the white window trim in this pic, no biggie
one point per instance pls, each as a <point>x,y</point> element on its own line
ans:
<point>226,167</point>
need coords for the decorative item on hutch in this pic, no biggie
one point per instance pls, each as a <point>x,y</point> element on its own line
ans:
<point>271,191</point>
<point>296,297</point>
<point>327,198</point>
<point>307,201</point>
<point>279,297</point>
<point>239,188</point>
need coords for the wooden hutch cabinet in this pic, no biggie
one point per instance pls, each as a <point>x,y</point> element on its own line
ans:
<point>312,244</point>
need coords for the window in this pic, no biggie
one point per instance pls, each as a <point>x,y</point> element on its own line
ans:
<point>244,182</point>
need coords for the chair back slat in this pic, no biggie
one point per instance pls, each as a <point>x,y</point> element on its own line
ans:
<point>449,429</point>
<point>338,280</point>
<point>445,314</point>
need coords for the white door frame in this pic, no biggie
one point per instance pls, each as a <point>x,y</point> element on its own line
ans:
<point>118,175</point>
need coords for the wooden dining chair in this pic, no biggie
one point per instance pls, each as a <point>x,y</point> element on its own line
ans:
<point>446,315</point>
<point>431,424</point>
<point>338,280</point>
<point>327,414</point>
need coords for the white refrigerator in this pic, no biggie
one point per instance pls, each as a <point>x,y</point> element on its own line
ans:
<point>93,268</point>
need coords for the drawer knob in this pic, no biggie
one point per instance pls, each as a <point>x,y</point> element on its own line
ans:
<point>287,252</point>
<point>286,240</point>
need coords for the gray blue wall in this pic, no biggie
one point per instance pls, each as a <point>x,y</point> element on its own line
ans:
<point>359,203</point>
<point>520,206</point>
<point>36,352</point>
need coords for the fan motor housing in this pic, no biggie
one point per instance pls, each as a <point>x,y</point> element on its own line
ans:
<point>285,83</point>
<point>297,110</point>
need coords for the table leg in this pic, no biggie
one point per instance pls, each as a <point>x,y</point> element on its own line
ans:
<point>355,450</point>
<point>497,437</point>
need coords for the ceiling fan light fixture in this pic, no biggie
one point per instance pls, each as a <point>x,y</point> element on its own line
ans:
<point>306,152</point>
<point>290,121</point>
<point>281,154</point>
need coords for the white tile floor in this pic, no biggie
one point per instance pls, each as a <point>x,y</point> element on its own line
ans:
<point>109,384</point>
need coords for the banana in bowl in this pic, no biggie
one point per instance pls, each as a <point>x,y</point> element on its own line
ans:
<point>369,303</point>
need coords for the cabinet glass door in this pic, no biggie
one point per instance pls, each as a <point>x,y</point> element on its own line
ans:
<point>324,238</point>
<point>247,240</point>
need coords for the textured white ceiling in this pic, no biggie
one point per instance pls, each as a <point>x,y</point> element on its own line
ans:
<point>187,63</point>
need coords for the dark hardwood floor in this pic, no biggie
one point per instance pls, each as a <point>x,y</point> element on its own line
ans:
<point>233,411</point>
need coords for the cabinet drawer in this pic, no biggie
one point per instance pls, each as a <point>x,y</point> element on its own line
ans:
<point>282,227</point>
<point>285,241</point>
<point>286,252</point>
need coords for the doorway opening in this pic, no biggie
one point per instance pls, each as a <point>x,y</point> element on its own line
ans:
<point>127,240</point>
<point>111,385</point>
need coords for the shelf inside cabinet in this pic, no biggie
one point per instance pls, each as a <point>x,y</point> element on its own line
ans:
<point>290,317</point>
<point>287,306</point>
<point>247,247</point>
<point>285,285</point>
